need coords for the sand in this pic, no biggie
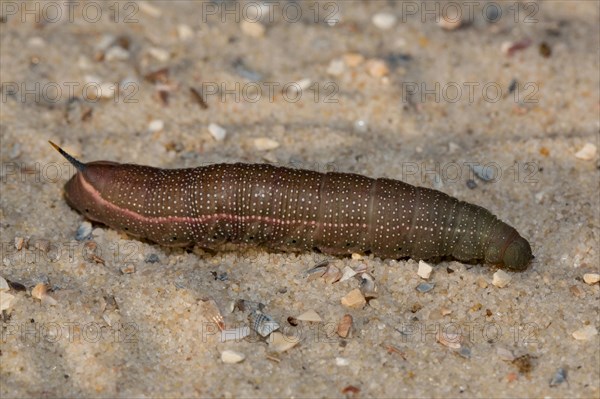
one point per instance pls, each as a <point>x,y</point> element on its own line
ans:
<point>409,99</point>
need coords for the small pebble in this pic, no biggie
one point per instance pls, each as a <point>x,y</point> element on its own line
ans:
<point>149,9</point>
<point>344,326</point>
<point>36,42</point>
<point>586,333</point>
<point>3,284</point>
<point>353,59</point>
<point>356,256</point>
<point>377,68</point>
<point>6,300</point>
<point>49,301</point>
<point>450,22</point>
<point>19,241</point>
<point>341,361</point>
<point>465,352</point>
<point>368,286</point>
<point>116,53</point>
<point>336,67</point>
<point>235,334</point>
<point>107,90</point>
<point>425,287</point>
<point>152,258</point>
<point>354,299</point>
<point>384,20</point>
<point>501,279</point>
<point>217,132</point>
<point>128,269</point>
<point>482,283</point>
<point>231,357</point>
<point>347,274</point>
<point>445,311</point>
<point>332,274</point>
<point>587,153</point>
<point>510,48</point>
<point>265,144</point>
<point>310,315</point>
<point>279,342</point>
<point>253,29</point>
<point>156,126</point>
<point>424,270</point>
<point>453,147</point>
<point>484,173</point>
<point>184,32</point>
<point>451,340</point>
<point>471,184</point>
<point>39,291</point>
<point>559,377</point>
<point>361,126</point>
<point>299,86</point>
<point>160,54</point>
<point>591,278</point>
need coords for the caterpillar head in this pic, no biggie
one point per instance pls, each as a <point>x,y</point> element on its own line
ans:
<point>509,249</point>
<point>518,254</point>
<point>82,190</point>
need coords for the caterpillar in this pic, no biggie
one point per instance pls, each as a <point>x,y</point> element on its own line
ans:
<point>290,209</point>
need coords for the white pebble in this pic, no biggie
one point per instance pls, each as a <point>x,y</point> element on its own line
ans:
<point>341,361</point>
<point>253,29</point>
<point>159,53</point>
<point>453,147</point>
<point>586,333</point>
<point>116,53</point>
<point>501,279</point>
<point>3,284</point>
<point>98,232</point>
<point>149,9</point>
<point>377,68</point>
<point>184,32</point>
<point>591,278</point>
<point>587,153</point>
<point>336,67</point>
<point>156,126</point>
<point>6,300</point>
<point>361,126</point>
<point>348,273</point>
<point>384,20</point>
<point>217,131</point>
<point>450,22</point>
<point>265,144</point>
<point>105,42</point>
<point>279,342</point>
<point>424,270</point>
<point>230,357</point>
<point>36,42</point>
<point>299,86</point>
<point>107,90</point>
<point>310,315</point>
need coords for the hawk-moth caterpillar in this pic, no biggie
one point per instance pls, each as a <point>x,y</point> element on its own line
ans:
<point>290,209</point>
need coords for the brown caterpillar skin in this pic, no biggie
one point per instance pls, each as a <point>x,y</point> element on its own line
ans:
<point>282,208</point>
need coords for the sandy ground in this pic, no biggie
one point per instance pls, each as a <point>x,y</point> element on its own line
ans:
<point>375,101</point>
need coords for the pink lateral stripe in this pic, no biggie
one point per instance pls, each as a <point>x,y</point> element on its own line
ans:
<point>186,219</point>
